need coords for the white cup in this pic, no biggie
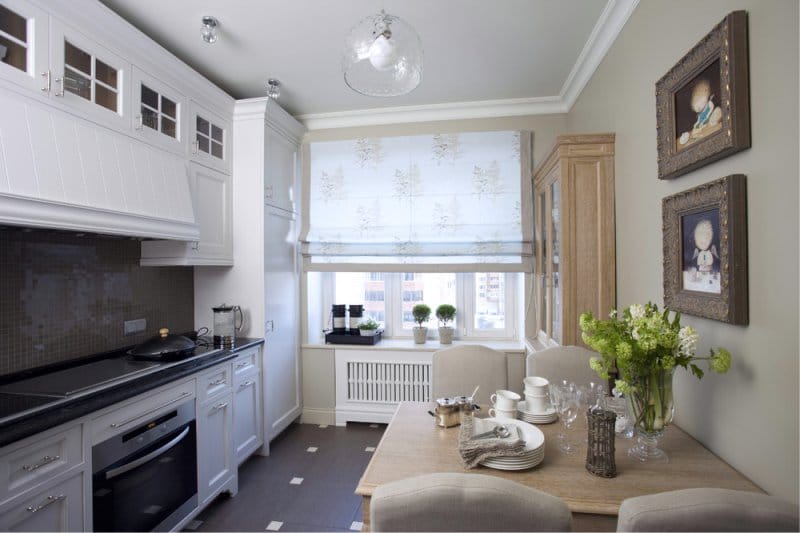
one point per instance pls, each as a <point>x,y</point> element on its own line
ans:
<point>536,385</point>
<point>502,413</point>
<point>505,400</point>
<point>537,403</point>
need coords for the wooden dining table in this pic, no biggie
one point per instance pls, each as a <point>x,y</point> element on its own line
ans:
<point>413,445</point>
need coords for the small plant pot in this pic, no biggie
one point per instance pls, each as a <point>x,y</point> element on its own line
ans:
<point>420,334</point>
<point>368,332</point>
<point>446,335</point>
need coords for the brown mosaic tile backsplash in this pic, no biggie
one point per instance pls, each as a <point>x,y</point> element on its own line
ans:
<point>63,296</point>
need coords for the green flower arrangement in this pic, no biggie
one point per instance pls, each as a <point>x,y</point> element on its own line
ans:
<point>645,346</point>
<point>644,340</point>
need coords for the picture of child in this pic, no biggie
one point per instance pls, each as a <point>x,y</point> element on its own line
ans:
<point>701,261</point>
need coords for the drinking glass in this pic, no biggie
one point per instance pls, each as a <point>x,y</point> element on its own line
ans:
<point>567,402</point>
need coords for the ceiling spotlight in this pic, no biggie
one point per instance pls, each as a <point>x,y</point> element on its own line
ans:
<point>273,88</point>
<point>209,29</point>
<point>382,56</point>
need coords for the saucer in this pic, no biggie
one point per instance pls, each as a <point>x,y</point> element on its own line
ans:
<point>522,407</point>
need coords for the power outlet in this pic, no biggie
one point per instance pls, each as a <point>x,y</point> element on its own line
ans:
<point>132,327</point>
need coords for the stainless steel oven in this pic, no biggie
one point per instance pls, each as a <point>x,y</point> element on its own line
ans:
<point>146,479</point>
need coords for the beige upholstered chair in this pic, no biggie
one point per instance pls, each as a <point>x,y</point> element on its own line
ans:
<point>458,370</point>
<point>707,510</point>
<point>563,362</point>
<point>465,502</point>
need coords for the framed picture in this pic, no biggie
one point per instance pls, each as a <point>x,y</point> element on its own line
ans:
<point>705,250</point>
<point>703,102</point>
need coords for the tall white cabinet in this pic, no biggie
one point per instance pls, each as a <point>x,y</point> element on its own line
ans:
<point>265,279</point>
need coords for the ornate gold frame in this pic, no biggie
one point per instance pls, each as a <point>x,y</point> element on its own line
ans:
<point>729,195</point>
<point>727,42</point>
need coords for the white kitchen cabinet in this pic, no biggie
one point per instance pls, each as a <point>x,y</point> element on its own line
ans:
<point>23,42</point>
<point>158,111</point>
<point>59,506</point>
<point>216,460</point>
<point>282,167</point>
<point>247,413</point>
<point>87,77</point>
<point>211,196</point>
<point>210,138</point>
<point>283,385</point>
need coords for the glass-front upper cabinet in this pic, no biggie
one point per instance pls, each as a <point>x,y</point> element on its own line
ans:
<point>87,76</point>
<point>23,45</point>
<point>209,140</point>
<point>158,111</point>
<point>555,249</point>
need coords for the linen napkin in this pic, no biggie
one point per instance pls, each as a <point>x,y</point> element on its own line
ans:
<point>473,451</point>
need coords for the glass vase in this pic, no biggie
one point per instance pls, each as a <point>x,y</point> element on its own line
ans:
<point>651,408</point>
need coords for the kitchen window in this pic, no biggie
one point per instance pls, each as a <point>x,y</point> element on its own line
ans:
<point>485,301</point>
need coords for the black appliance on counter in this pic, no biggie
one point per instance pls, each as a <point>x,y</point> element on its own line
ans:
<point>146,479</point>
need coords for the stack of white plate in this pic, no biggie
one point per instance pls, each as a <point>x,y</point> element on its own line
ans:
<point>531,435</point>
<point>545,417</point>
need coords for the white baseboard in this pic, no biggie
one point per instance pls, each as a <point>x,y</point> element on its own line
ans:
<point>316,416</point>
<point>381,414</point>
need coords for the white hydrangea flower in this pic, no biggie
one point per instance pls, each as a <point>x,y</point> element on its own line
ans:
<point>637,311</point>
<point>688,338</point>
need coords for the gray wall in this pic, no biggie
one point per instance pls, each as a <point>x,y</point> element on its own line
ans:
<point>748,416</point>
<point>64,296</point>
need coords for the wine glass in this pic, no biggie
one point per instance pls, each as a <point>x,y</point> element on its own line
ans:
<point>567,402</point>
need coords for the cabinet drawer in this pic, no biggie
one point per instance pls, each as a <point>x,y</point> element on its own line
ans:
<point>56,508</point>
<point>132,412</point>
<point>33,461</point>
<point>246,362</point>
<point>214,382</point>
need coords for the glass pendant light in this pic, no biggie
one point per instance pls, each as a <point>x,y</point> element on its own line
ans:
<point>382,56</point>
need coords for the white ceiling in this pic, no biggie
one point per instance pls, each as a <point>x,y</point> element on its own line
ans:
<point>524,56</point>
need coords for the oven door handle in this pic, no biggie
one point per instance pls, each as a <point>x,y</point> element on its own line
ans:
<point>114,472</point>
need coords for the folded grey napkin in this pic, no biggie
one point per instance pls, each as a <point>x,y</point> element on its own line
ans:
<point>473,451</point>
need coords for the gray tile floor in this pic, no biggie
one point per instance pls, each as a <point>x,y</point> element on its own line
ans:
<point>306,484</point>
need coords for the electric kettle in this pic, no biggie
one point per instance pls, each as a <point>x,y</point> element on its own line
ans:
<point>225,325</point>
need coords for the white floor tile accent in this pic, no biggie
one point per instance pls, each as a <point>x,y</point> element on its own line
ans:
<point>369,449</point>
<point>356,526</point>
<point>312,449</point>
<point>296,481</point>
<point>373,425</point>
<point>323,426</point>
<point>274,526</point>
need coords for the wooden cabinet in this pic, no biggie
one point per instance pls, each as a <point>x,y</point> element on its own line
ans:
<point>247,404</point>
<point>574,236</point>
<point>216,466</point>
<point>211,200</point>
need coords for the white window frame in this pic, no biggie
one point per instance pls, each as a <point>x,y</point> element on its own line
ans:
<point>465,304</point>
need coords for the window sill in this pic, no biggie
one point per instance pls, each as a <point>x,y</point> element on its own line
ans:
<point>431,346</point>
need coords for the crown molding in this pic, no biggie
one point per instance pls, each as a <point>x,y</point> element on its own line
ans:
<point>433,112</point>
<point>605,32</point>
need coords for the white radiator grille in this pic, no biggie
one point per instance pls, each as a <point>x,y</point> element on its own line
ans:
<point>383,382</point>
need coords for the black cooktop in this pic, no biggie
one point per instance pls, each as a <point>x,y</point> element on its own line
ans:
<point>85,376</point>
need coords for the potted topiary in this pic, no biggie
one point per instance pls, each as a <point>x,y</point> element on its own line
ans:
<point>421,314</point>
<point>445,313</point>
<point>368,327</point>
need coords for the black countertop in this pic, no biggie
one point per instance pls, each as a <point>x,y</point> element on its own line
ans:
<point>23,416</point>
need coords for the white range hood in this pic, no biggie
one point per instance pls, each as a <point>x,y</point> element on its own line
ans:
<point>63,172</point>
